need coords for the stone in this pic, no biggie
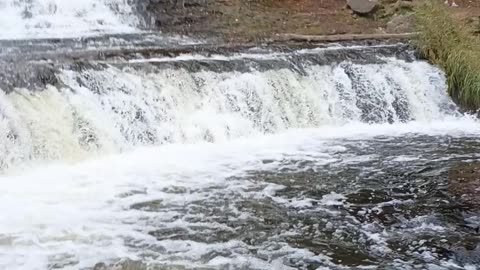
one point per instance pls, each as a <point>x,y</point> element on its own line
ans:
<point>401,24</point>
<point>363,7</point>
<point>100,266</point>
<point>130,265</point>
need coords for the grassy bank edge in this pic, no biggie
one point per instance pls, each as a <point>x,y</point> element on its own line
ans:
<point>448,42</point>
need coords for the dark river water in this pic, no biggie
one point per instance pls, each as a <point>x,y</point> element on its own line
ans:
<point>377,203</point>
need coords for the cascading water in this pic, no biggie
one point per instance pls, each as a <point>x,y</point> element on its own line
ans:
<point>115,109</point>
<point>114,157</point>
<point>27,19</point>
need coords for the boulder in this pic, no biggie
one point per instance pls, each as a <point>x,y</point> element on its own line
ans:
<point>100,266</point>
<point>362,7</point>
<point>401,24</point>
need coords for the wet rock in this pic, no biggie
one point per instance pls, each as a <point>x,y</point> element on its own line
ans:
<point>214,254</point>
<point>148,206</point>
<point>363,7</point>
<point>170,233</point>
<point>401,24</point>
<point>466,256</point>
<point>122,265</point>
<point>100,266</point>
<point>130,265</point>
<point>26,75</point>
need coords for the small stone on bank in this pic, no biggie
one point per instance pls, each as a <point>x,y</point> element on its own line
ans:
<point>401,24</point>
<point>362,7</point>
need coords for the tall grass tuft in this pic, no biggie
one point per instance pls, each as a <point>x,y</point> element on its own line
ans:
<point>448,42</point>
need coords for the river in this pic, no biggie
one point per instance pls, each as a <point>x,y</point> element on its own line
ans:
<point>124,148</point>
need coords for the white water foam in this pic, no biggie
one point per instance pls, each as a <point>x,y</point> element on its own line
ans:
<point>113,110</point>
<point>33,19</point>
<point>77,215</point>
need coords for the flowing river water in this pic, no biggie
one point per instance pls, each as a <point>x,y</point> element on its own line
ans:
<point>115,156</point>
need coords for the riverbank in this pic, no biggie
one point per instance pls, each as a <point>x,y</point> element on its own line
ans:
<point>253,20</point>
<point>263,20</point>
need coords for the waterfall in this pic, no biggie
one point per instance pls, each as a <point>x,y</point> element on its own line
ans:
<point>188,158</point>
<point>122,145</point>
<point>27,19</point>
<point>115,108</point>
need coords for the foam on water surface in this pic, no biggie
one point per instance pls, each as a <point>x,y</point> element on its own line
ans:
<point>82,214</point>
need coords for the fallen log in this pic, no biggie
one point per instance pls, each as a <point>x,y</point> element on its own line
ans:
<point>345,37</point>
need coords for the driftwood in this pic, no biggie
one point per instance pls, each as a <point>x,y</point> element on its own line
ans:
<point>346,37</point>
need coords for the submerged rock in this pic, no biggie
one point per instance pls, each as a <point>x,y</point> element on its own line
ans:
<point>100,266</point>
<point>123,265</point>
<point>465,183</point>
<point>466,256</point>
<point>130,265</point>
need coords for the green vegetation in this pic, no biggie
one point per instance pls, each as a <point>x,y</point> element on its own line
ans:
<point>449,43</point>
